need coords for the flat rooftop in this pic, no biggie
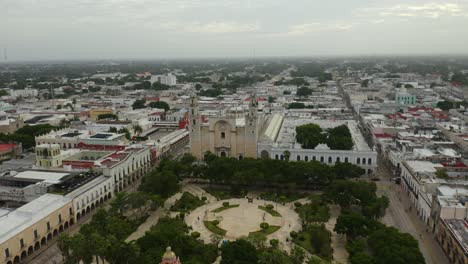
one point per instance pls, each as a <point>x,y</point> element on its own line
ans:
<point>459,227</point>
<point>287,133</point>
<point>46,176</point>
<point>16,221</point>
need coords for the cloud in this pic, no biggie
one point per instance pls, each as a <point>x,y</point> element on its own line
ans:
<point>302,29</point>
<point>427,10</point>
<point>211,27</point>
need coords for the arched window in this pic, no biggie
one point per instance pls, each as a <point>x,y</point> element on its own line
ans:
<point>223,135</point>
<point>337,159</point>
<point>329,159</point>
<point>314,158</point>
<point>298,158</point>
<point>363,160</point>
<point>358,160</point>
<point>306,158</point>
<point>369,161</point>
<point>321,159</point>
<point>276,156</point>
<point>346,159</point>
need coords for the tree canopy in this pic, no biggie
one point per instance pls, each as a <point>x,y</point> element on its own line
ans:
<point>139,104</point>
<point>160,105</point>
<point>310,135</point>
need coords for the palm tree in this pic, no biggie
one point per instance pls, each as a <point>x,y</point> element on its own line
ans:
<point>137,130</point>
<point>286,155</point>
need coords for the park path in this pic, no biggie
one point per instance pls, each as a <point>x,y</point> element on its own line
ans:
<point>153,219</point>
<point>338,241</point>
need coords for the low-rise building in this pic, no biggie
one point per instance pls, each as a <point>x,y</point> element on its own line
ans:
<point>28,228</point>
<point>452,235</point>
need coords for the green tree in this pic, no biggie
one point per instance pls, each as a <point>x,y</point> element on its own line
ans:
<point>296,105</point>
<point>107,116</point>
<point>139,104</point>
<point>304,91</point>
<point>163,183</point>
<point>273,256</point>
<point>125,131</point>
<point>309,135</point>
<point>137,130</point>
<point>198,86</point>
<point>238,252</point>
<point>388,245</point>
<point>160,105</point>
<point>3,92</point>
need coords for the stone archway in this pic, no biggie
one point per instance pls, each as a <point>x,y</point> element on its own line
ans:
<point>37,246</point>
<point>264,154</point>
<point>223,154</point>
<point>43,241</point>
<point>16,260</point>
<point>30,250</point>
<point>23,255</point>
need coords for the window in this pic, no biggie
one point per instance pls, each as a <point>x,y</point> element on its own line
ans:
<point>329,159</point>
<point>346,159</point>
<point>7,253</point>
<point>298,158</point>
<point>314,158</point>
<point>35,234</point>
<point>321,159</point>
<point>70,210</point>
<point>337,159</point>
<point>276,156</point>
<point>194,122</point>
<point>223,135</point>
<point>369,161</point>
<point>363,160</point>
<point>358,161</point>
<point>21,243</point>
<point>48,226</point>
<point>60,218</point>
<point>306,158</point>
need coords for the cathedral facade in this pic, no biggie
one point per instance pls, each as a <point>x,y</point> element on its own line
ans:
<point>232,134</point>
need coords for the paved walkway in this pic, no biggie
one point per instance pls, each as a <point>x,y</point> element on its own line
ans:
<point>338,241</point>
<point>164,210</point>
<point>239,221</point>
<point>399,216</point>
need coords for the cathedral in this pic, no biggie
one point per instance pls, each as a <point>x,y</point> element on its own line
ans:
<point>170,257</point>
<point>234,133</point>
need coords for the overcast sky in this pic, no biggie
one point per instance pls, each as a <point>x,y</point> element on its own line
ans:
<point>152,29</point>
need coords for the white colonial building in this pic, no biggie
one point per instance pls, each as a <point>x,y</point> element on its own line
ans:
<point>279,137</point>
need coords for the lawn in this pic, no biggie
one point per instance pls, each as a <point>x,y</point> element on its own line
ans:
<point>316,239</point>
<point>314,212</point>
<point>222,208</point>
<point>187,203</point>
<point>281,197</point>
<point>264,232</point>
<point>213,227</point>
<point>270,211</point>
<point>224,195</point>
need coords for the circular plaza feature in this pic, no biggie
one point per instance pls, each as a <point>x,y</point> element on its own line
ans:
<point>236,218</point>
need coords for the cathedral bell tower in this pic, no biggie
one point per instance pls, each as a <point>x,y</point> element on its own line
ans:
<point>251,128</point>
<point>195,127</point>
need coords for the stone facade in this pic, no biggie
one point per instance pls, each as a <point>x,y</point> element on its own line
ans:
<point>233,134</point>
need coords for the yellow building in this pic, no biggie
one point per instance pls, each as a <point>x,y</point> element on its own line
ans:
<point>94,113</point>
<point>452,236</point>
<point>31,226</point>
<point>234,133</point>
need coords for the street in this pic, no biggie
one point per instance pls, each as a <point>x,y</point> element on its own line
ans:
<point>401,217</point>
